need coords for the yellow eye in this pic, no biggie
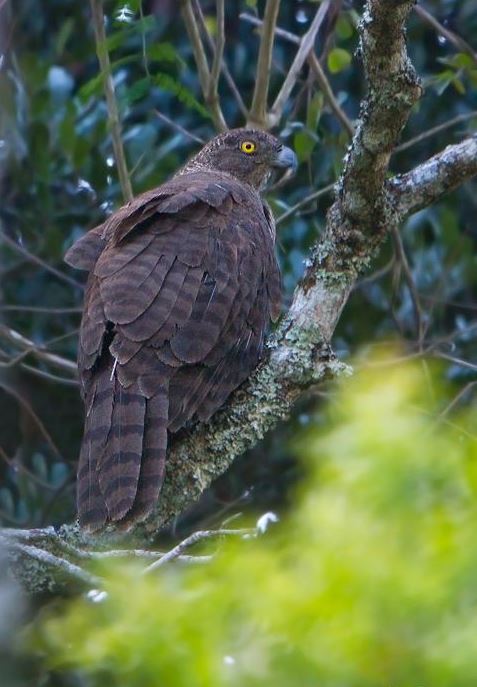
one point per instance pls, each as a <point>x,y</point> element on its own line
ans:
<point>248,147</point>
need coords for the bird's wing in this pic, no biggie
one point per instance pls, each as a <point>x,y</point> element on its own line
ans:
<point>175,315</point>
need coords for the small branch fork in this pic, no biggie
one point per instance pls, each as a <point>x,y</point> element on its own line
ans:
<point>209,79</point>
<point>58,561</point>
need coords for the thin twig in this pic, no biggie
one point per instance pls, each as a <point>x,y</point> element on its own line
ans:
<point>17,339</point>
<point>435,130</point>
<point>213,93</point>
<point>316,68</point>
<point>404,263</point>
<point>111,103</point>
<point>31,257</point>
<point>258,110</point>
<point>457,361</point>
<point>49,376</point>
<point>452,37</point>
<point>201,63</point>
<point>305,201</point>
<point>306,46</point>
<point>450,406</point>
<point>178,127</point>
<point>194,538</point>
<point>328,94</point>
<point>225,70</point>
<point>46,311</point>
<point>9,389</point>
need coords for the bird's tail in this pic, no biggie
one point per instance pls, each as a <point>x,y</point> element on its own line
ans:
<point>122,460</point>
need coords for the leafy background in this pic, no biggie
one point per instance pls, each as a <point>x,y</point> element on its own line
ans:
<point>58,180</point>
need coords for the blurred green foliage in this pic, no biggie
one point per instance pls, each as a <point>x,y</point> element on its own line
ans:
<point>368,582</point>
<point>58,179</point>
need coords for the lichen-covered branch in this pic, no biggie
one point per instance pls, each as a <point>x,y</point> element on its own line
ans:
<point>442,173</point>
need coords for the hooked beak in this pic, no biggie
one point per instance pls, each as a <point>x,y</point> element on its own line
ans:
<point>286,159</point>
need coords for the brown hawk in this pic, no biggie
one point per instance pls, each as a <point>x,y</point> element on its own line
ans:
<point>182,283</point>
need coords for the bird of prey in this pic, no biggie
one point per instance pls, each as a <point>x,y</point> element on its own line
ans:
<point>183,281</point>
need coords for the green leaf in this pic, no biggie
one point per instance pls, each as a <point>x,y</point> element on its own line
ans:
<point>138,90</point>
<point>64,35</point>
<point>304,142</point>
<point>92,87</point>
<point>163,52</point>
<point>344,27</point>
<point>120,36</point>
<point>313,113</point>
<point>338,59</point>
<point>168,83</point>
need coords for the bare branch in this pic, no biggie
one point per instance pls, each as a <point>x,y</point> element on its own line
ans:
<point>404,265</point>
<point>328,94</point>
<point>306,46</point>
<point>258,110</point>
<point>194,538</point>
<point>179,127</point>
<point>225,70</point>
<point>31,257</point>
<point>25,344</point>
<point>305,201</point>
<point>451,36</point>
<point>213,94</point>
<point>197,46</point>
<point>202,65</point>
<point>108,85</point>
<point>435,130</point>
<point>316,68</point>
<point>428,182</point>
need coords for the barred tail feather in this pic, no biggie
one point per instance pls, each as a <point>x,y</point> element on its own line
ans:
<point>119,466</point>
<point>92,511</point>
<point>153,463</point>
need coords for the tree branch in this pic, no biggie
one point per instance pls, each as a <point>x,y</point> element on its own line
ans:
<point>306,46</point>
<point>258,111</point>
<point>428,182</point>
<point>108,85</point>
<point>225,70</point>
<point>452,37</point>
<point>316,68</point>
<point>205,78</point>
<point>213,94</point>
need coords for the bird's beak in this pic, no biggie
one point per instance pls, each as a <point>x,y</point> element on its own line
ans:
<point>286,159</point>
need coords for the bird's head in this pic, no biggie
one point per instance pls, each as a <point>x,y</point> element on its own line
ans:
<point>249,155</point>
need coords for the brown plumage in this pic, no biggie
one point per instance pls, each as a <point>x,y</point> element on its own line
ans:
<point>182,283</point>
